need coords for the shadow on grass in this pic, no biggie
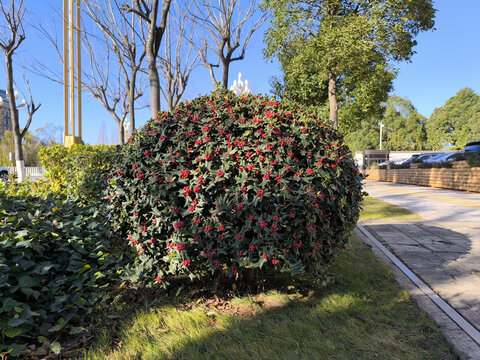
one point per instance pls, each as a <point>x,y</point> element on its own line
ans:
<point>362,315</point>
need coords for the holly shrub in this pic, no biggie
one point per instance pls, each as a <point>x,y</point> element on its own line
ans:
<point>224,183</point>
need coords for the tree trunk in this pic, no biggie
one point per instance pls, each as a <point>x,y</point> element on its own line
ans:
<point>17,138</point>
<point>121,133</point>
<point>154,85</point>
<point>131,105</point>
<point>332,98</point>
<point>226,68</point>
<point>152,61</point>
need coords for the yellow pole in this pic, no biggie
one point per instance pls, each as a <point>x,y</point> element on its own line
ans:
<point>71,66</point>
<point>65,68</point>
<point>79,72</point>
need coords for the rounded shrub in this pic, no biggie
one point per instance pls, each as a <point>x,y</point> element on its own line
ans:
<point>224,183</point>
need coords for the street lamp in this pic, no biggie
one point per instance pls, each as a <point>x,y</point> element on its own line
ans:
<point>381,127</point>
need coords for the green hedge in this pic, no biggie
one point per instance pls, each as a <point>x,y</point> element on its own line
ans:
<point>80,170</point>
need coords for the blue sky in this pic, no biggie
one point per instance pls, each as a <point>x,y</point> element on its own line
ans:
<point>446,61</point>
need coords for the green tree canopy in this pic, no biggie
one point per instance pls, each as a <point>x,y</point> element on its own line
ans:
<point>404,129</point>
<point>30,146</point>
<point>455,123</point>
<point>343,50</point>
<point>365,137</point>
<point>404,126</point>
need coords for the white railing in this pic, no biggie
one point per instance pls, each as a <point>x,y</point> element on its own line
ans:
<point>30,170</point>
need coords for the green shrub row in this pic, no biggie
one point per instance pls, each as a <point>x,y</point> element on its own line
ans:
<point>394,166</point>
<point>436,165</point>
<point>473,159</point>
<point>79,170</point>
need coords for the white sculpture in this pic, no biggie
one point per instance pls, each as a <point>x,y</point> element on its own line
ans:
<point>240,87</point>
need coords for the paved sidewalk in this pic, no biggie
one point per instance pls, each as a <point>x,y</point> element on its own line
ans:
<point>443,249</point>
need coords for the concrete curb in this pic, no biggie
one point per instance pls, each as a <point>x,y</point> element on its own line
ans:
<point>464,346</point>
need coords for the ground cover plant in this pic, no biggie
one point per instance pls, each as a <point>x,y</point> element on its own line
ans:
<point>55,267</point>
<point>229,183</point>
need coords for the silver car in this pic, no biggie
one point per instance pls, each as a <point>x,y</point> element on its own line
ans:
<point>4,173</point>
<point>449,156</point>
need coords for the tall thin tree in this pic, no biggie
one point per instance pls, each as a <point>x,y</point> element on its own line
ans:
<point>12,34</point>
<point>155,18</point>
<point>123,34</point>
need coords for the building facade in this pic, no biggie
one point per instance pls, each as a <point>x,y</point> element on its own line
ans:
<point>5,123</point>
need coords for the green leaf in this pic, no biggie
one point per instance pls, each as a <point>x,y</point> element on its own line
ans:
<point>84,268</point>
<point>21,244</point>
<point>27,281</point>
<point>14,322</point>
<point>9,304</point>
<point>14,350</point>
<point>42,339</point>
<point>56,347</point>
<point>98,275</point>
<point>21,234</point>
<point>59,326</point>
<point>13,332</point>
<point>76,330</point>
<point>81,301</point>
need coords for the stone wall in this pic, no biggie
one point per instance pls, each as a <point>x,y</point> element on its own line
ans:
<point>460,177</point>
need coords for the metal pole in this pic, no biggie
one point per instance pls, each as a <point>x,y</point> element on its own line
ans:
<point>381,126</point>
<point>71,66</point>
<point>79,73</point>
<point>65,68</point>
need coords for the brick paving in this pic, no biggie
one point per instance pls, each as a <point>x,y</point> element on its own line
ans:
<point>443,249</point>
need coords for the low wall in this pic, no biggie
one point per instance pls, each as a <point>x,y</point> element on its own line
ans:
<point>460,177</point>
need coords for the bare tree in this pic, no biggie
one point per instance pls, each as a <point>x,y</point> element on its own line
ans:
<point>104,82</point>
<point>149,11</point>
<point>114,60</point>
<point>50,134</point>
<point>177,62</point>
<point>223,34</point>
<point>12,35</point>
<point>121,33</point>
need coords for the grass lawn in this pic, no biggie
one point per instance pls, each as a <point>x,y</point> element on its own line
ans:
<point>374,209</point>
<point>361,314</point>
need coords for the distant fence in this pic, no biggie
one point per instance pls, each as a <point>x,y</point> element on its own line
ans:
<point>460,177</point>
<point>30,170</point>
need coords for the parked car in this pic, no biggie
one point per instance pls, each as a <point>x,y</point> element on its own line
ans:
<point>473,146</point>
<point>4,173</point>
<point>407,161</point>
<point>448,156</point>
<point>386,163</point>
<point>424,157</point>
